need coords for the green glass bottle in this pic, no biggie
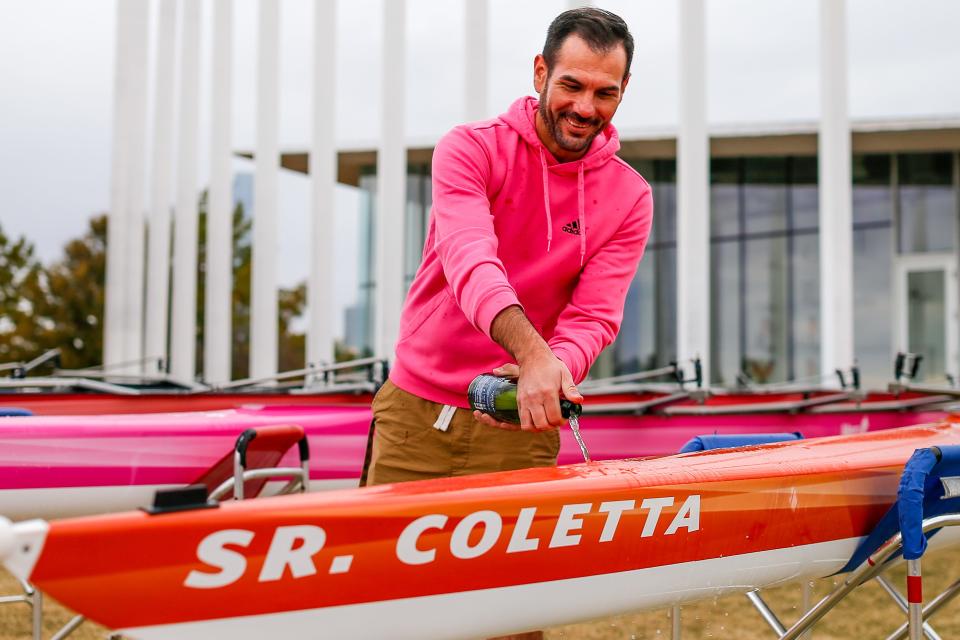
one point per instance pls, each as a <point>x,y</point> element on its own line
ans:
<point>497,397</point>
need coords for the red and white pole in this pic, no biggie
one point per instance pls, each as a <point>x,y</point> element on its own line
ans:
<point>915,599</point>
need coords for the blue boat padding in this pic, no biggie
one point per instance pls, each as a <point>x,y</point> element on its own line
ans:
<point>717,441</point>
<point>919,497</point>
<point>921,494</point>
<point>14,412</point>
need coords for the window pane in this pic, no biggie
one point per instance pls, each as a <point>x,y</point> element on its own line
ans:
<point>765,194</point>
<point>665,199</point>
<point>724,210</point>
<point>636,345</point>
<point>765,322</point>
<point>725,312</point>
<point>930,169</point>
<point>872,304</point>
<point>724,197</point>
<point>765,208</point>
<point>357,239</point>
<point>871,169</point>
<point>927,320</point>
<point>805,206</point>
<point>647,337</point>
<point>665,341</point>
<point>806,305</point>
<point>418,208</point>
<point>872,204</point>
<point>928,203</point>
<point>927,221</point>
<point>804,193</point>
<point>664,212</point>
<point>872,190</point>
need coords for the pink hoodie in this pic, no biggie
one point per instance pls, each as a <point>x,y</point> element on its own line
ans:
<point>510,225</point>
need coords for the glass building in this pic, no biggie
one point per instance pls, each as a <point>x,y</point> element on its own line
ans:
<point>765,253</point>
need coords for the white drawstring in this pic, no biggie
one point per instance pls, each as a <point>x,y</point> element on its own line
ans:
<point>546,197</point>
<point>581,219</point>
<point>446,415</point>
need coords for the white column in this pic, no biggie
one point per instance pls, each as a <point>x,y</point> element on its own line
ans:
<point>217,316</point>
<point>161,189</point>
<point>136,205</point>
<point>113,340</point>
<point>953,326</point>
<point>693,189</point>
<point>476,78</point>
<point>323,180</point>
<point>263,291</point>
<point>836,208</point>
<point>123,313</point>
<point>391,181</point>
<point>184,309</point>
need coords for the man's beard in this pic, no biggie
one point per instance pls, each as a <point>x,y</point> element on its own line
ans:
<point>565,142</point>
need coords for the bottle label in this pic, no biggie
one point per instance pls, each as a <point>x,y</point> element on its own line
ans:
<point>483,393</point>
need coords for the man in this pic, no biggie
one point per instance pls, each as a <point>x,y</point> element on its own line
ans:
<point>535,235</point>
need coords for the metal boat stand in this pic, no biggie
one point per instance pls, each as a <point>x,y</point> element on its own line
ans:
<point>916,626</point>
<point>240,474</point>
<point>33,598</point>
<point>925,490</point>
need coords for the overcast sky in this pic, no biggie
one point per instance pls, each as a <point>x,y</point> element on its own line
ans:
<point>56,74</point>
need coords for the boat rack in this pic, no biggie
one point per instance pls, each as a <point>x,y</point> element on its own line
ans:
<point>928,501</point>
<point>361,375</point>
<point>21,369</point>
<point>671,392</point>
<point>634,381</point>
<point>667,398</point>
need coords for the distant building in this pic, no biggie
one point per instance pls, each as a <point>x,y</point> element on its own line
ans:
<point>764,262</point>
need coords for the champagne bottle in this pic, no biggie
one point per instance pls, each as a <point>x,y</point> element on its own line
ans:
<point>497,397</point>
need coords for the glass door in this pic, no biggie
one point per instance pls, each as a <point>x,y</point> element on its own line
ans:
<point>927,312</point>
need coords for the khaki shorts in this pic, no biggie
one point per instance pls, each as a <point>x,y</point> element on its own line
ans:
<point>406,445</point>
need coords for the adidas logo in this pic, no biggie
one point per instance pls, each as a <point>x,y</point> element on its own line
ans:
<point>572,227</point>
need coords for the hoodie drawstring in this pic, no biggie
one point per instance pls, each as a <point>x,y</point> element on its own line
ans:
<point>546,197</point>
<point>581,219</point>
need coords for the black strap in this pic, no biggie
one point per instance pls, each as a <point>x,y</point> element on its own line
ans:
<point>368,454</point>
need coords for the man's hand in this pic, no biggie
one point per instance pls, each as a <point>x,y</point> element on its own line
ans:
<point>537,395</point>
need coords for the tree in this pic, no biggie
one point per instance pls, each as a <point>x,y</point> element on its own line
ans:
<point>292,348</point>
<point>60,306</point>
<point>291,301</point>
<point>240,297</point>
<point>19,270</point>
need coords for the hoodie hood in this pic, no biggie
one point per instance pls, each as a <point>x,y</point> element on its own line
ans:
<point>521,117</point>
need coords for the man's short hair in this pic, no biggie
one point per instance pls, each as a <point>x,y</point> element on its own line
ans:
<point>600,29</point>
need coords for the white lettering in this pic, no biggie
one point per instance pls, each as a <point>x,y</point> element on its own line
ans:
<point>656,506</point>
<point>519,540</point>
<point>282,553</point>
<point>567,522</point>
<point>460,540</point>
<point>688,516</point>
<point>213,552</point>
<point>614,509</point>
<point>407,550</point>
